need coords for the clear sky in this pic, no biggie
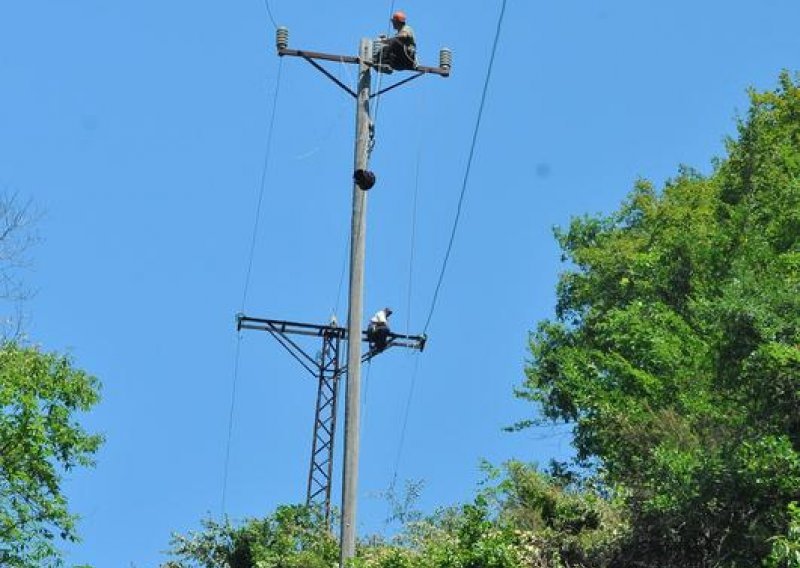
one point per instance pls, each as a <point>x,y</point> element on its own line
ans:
<point>140,128</point>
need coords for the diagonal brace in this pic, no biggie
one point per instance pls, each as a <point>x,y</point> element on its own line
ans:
<point>403,82</point>
<point>330,76</point>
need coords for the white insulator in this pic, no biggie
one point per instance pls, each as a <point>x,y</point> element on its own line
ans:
<point>282,37</point>
<point>377,48</point>
<point>445,58</point>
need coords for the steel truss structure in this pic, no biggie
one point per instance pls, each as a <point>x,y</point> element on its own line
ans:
<point>326,367</point>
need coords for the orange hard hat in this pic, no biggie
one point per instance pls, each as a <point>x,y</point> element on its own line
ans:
<point>399,16</point>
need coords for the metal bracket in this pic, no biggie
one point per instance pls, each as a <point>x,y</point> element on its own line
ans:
<point>403,82</point>
<point>331,77</point>
<point>327,370</point>
<point>280,329</point>
<point>310,56</point>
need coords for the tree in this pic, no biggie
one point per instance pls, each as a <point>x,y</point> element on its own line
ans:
<point>521,518</point>
<point>675,350</point>
<point>17,235</point>
<point>785,551</point>
<point>40,395</point>
<point>292,537</point>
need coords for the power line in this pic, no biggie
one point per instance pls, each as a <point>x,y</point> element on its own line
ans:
<point>230,426</point>
<point>262,185</point>
<point>269,13</point>
<point>415,195</point>
<point>251,255</point>
<point>469,165</point>
<point>414,198</point>
<point>341,276</point>
<point>406,414</point>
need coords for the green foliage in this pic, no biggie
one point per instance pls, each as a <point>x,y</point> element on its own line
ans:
<point>560,525</point>
<point>521,518</point>
<point>675,355</point>
<point>467,537</point>
<point>40,395</point>
<point>786,549</point>
<point>292,537</point>
<point>675,351</point>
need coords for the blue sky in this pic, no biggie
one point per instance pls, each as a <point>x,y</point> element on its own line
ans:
<point>139,130</point>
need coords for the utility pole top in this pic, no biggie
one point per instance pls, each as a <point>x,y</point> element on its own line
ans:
<point>385,56</point>
<point>282,45</point>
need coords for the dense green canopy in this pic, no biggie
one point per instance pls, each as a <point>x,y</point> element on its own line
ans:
<point>675,350</point>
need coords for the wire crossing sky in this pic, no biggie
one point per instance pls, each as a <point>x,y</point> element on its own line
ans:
<point>139,129</point>
<point>469,165</point>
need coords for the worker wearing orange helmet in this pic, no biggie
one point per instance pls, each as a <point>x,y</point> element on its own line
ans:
<point>400,51</point>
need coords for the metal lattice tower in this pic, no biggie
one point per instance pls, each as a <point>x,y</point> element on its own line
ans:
<point>327,369</point>
<point>320,472</point>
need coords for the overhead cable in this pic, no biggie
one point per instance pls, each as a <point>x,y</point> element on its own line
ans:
<point>469,166</point>
<point>262,185</point>
<point>410,394</point>
<point>223,507</point>
<point>269,13</point>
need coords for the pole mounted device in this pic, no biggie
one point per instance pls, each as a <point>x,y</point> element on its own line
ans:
<point>326,367</point>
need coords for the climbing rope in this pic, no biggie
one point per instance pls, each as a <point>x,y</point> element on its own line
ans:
<point>469,166</point>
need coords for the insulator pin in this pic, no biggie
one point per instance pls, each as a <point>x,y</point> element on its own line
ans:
<point>282,38</point>
<point>377,51</point>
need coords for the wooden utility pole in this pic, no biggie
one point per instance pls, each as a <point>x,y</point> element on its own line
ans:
<point>352,416</point>
<point>354,335</point>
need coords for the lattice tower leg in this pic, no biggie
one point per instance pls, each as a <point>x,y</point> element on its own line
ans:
<point>321,470</point>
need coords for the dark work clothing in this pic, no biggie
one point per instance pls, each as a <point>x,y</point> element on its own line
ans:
<point>400,52</point>
<point>377,335</point>
<point>399,55</point>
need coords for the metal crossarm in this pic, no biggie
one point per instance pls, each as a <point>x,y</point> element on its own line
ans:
<point>285,328</point>
<point>310,56</point>
<point>291,327</point>
<point>326,367</point>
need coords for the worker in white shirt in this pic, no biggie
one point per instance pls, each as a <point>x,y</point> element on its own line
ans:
<point>378,329</point>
